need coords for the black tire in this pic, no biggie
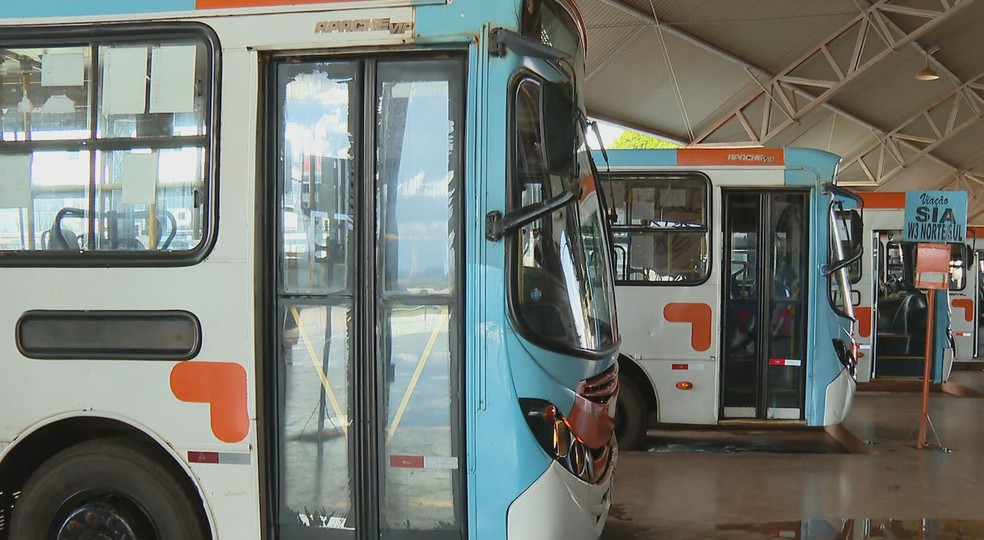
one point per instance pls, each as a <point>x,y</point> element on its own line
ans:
<point>110,487</point>
<point>631,416</point>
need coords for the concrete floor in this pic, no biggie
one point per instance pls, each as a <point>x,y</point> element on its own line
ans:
<point>892,492</point>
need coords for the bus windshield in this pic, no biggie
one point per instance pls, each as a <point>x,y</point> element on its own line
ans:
<point>562,291</point>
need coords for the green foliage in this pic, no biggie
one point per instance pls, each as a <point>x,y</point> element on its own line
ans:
<point>632,139</point>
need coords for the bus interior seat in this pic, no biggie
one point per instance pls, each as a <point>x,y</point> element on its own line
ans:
<point>58,238</point>
<point>55,239</point>
<point>905,316</point>
<point>122,230</point>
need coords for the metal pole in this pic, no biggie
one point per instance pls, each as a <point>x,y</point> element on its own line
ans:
<point>924,416</point>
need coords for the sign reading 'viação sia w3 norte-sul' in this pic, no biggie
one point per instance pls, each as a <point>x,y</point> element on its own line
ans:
<point>935,216</point>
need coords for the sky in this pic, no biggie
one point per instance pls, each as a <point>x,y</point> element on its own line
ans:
<point>609,132</point>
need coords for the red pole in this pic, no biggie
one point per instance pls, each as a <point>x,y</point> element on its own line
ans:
<point>924,417</point>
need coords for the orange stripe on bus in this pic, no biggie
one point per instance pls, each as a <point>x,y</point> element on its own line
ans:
<point>223,386</point>
<point>699,318</point>
<point>218,4</point>
<point>588,186</point>
<point>875,199</point>
<point>968,306</point>
<point>863,315</point>
<point>753,157</point>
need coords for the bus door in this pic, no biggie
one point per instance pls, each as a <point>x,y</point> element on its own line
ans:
<point>764,331</point>
<point>965,301</point>
<point>867,312</point>
<point>966,297</point>
<point>902,312</point>
<point>978,285</point>
<point>366,427</point>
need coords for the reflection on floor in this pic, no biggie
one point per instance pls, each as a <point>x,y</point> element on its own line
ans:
<point>812,495</point>
<point>730,440</point>
<point>819,529</point>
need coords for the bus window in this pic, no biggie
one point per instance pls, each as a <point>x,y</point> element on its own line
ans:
<point>104,145</point>
<point>899,270</point>
<point>846,231</point>
<point>661,234</point>
<point>319,180</point>
<point>958,266</point>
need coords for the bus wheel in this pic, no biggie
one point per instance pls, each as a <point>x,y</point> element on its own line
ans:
<point>631,417</point>
<point>105,489</point>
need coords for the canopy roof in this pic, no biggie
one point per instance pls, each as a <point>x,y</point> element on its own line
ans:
<point>838,75</point>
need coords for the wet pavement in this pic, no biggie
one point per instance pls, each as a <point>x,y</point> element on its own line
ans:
<point>809,486</point>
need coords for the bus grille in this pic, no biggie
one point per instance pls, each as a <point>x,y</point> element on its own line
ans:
<point>601,388</point>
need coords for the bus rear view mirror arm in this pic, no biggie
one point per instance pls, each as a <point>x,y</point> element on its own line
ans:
<point>498,225</point>
<point>501,39</point>
<point>829,187</point>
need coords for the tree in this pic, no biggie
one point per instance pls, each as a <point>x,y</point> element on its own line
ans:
<point>632,139</point>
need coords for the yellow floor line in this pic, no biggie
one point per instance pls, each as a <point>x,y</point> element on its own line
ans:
<point>416,374</point>
<point>317,367</point>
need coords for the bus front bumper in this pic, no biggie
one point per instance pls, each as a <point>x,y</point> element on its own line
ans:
<point>559,506</point>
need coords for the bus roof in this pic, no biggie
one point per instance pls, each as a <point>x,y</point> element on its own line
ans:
<point>66,8</point>
<point>719,157</point>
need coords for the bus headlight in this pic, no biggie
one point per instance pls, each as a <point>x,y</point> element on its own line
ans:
<point>554,434</point>
<point>583,441</point>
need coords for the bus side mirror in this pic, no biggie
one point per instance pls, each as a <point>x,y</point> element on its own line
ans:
<point>560,129</point>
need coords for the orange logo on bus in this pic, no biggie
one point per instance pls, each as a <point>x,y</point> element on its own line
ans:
<point>863,315</point>
<point>699,318</point>
<point>968,306</point>
<point>731,156</point>
<point>223,386</point>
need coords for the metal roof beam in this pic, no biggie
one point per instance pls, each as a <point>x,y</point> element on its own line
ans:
<point>650,18</point>
<point>629,41</point>
<point>780,100</point>
<point>967,173</point>
<point>863,29</point>
<point>961,105</point>
<point>786,105</point>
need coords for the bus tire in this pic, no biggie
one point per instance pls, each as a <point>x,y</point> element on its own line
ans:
<point>631,417</point>
<point>106,487</point>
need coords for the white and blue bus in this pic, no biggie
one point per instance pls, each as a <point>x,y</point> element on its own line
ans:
<point>893,313</point>
<point>290,269</point>
<point>733,287</point>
